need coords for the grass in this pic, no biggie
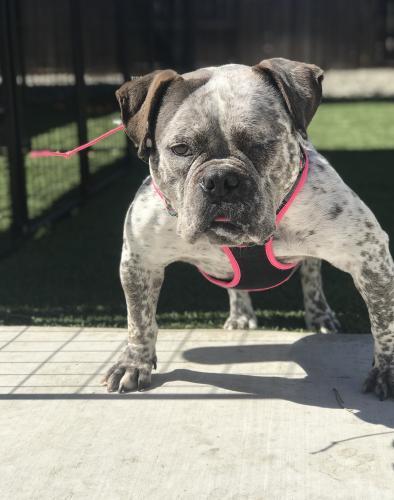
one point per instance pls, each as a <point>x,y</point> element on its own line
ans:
<point>68,273</point>
<point>5,201</point>
<point>49,178</point>
<point>353,126</point>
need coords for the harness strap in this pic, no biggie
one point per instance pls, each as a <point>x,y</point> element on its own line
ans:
<point>297,186</point>
<point>171,211</point>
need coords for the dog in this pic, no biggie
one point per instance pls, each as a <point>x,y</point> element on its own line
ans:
<point>225,146</point>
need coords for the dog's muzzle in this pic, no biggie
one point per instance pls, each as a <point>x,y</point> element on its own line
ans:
<point>221,199</point>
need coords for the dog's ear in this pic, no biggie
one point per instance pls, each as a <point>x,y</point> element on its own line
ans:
<point>300,85</point>
<point>139,101</point>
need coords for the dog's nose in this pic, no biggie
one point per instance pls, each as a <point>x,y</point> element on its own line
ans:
<point>219,185</point>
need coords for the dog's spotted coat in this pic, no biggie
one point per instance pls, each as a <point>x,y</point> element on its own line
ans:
<point>250,121</point>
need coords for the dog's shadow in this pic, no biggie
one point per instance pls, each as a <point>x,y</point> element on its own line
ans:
<point>334,366</point>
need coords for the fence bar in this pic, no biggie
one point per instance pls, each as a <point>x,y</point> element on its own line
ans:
<point>122,44</point>
<point>80,90</point>
<point>188,36</point>
<point>13,123</point>
<point>122,48</point>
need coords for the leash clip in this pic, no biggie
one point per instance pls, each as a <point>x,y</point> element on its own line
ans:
<point>171,211</point>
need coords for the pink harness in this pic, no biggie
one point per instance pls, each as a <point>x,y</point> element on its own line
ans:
<point>255,268</point>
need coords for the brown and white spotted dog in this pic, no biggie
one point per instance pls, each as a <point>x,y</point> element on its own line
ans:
<point>250,122</point>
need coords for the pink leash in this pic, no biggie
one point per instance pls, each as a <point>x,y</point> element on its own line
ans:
<point>42,153</point>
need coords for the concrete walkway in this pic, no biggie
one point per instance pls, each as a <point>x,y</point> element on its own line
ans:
<point>232,415</point>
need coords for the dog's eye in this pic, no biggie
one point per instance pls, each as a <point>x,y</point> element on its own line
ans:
<point>181,150</point>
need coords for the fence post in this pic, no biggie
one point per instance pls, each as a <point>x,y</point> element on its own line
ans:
<point>188,36</point>
<point>13,117</point>
<point>80,90</point>
<point>122,47</point>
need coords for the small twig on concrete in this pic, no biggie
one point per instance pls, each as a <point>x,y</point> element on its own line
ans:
<point>340,401</point>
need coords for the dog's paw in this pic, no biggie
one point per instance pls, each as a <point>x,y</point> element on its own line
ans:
<point>323,322</point>
<point>380,381</point>
<point>241,322</point>
<point>132,372</point>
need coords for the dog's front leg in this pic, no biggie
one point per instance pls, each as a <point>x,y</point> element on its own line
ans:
<point>319,317</point>
<point>373,275</point>
<point>242,315</point>
<point>141,285</point>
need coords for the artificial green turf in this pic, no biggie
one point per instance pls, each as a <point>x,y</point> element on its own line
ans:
<point>5,199</point>
<point>47,179</point>
<point>353,126</point>
<point>68,273</point>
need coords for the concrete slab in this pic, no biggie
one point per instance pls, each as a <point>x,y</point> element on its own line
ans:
<point>232,415</point>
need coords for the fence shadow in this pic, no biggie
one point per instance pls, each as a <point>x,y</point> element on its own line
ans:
<point>334,366</point>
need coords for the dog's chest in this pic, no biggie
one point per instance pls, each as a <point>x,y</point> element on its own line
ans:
<point>209,258</point>
<point>212,261</point>
<point>156,233</point>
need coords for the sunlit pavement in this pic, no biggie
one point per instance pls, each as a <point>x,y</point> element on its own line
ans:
<point>231,415</point>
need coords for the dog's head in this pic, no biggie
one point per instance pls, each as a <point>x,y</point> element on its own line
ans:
<point>223,143</point>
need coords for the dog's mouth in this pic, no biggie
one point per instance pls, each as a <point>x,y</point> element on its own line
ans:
<point>225,226</point>
<point>229,232</point>
<point>225,223</point>
<point>222,218</point>
<point>226,231</point>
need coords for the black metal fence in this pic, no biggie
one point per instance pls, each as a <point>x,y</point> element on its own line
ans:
<point>45,104</point>
<point>61,61</point>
